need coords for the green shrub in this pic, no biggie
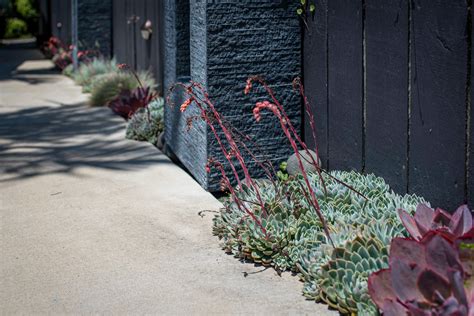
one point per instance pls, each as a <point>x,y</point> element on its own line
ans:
<point>15,28</point>
<point>88,72</point>
<point>26,9</point>
<point>147,123</point>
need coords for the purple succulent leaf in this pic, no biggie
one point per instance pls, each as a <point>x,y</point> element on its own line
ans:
<point>434,287</point>
<point>380,287</point>
<point>415,310</point>
<point>424,216</point>
<point>410,225</point>
<point>461,221</point>
<point>408,251</point>
<point>457,285</point>
<point>393,308</point>
<point>441,218</point>
<point>404,281</point>
<point>451,307</point>
<point>471,303</point>
<point>441,255</point>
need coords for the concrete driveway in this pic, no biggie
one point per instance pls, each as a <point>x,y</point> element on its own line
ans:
<point>94,223</point>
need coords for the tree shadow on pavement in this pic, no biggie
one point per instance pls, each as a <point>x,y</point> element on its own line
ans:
<point>44,140</point>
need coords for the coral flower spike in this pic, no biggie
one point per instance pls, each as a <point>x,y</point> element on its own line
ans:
<point>185,105</point>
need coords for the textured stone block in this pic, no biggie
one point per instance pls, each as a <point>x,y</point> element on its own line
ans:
<point>230,41</point>
<point>94,24</point>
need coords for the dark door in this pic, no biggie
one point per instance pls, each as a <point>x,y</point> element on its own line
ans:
<point>129,44</point>
<point>61,20</point>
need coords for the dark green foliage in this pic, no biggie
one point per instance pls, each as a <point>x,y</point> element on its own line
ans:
<point>15,28</point>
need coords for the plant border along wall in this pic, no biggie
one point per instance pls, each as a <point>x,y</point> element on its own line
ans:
<point>219,45</point>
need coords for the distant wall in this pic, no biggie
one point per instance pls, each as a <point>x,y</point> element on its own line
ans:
<point>95,24</point>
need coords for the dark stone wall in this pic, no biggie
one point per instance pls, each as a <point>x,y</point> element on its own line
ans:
<point>189,144</point>
<point>183,62</point>
<point>230,41</point>
<point>95,24</point>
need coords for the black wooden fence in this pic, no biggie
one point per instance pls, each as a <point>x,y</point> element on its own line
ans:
<point>61,20</point>
<point>128,44</point>
<point>390,83</point>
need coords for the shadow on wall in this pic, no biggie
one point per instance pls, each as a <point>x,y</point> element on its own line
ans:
<point>45,140</point>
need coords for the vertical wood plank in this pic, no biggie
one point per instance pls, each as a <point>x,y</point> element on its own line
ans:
<point>470,179</point>
<point>315,79</point>
<point>438,116</point>
<point>119,29</point>
<point>66,19</point>
<point>345,79</point>
<point>153,46</point>
<point>130,33</point>
<point>141,44</point>
<point>387,91</point>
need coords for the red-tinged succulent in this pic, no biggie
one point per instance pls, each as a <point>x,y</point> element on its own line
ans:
<point>129,101</point>
<point>425,277</point>
<point>427,219</point>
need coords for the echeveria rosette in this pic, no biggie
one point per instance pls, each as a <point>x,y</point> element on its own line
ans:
<point>130,101</point>
<point>424,278</point>
<point>427,219</point>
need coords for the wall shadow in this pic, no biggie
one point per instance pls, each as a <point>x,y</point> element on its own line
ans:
<point>44,140</point>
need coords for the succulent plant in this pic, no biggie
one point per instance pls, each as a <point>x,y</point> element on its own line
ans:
<point>146,123</point>
<point>298,242</point>
<point>87,72</point>
<point>106,87</point>
<point>425,277</point>
<point>343,279</point>
<point>130,101</point>
<point>427,219</point>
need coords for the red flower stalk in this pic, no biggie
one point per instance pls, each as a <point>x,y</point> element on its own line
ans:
<point>284,122</point>
<point>211,116</point>
<point>297,82</point>
<point>127,67</point>
<point>234,195</point>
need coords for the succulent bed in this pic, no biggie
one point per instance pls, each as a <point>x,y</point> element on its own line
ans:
<point>336,229</point>
<point>360,229</point>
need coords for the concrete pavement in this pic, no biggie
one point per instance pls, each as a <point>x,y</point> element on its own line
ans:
<point>94,223</point>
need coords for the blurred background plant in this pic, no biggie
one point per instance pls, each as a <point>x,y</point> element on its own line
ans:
<point>107,87</point>
<point>147,123</point>
<point>18,18</point>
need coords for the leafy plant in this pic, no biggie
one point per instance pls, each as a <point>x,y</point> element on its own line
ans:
<point>15,28</point>
<point>52,47</point>
<point>68,71</point>
<point>298,241</point>
<point>88,72</point>
<point>147,123</point>
<point>425,277</point>
<point>427,219</point>
<point>26,9</point>
<point>107,87</point>
<point>294,221</point>
<point>304,9</point>
<point>129,101</point>
<point>282,173</point>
